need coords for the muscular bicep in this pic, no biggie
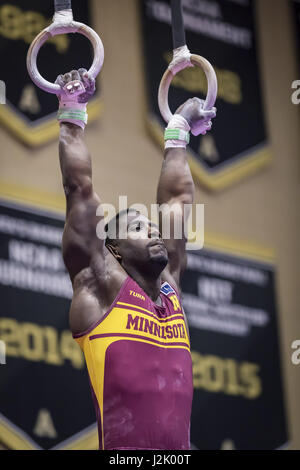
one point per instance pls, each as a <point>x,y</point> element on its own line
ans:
<point>177,259</point>
<point>83,213</point>
<point>82,238</point>
<point>172,229</point>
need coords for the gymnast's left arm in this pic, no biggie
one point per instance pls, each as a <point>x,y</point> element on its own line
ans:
<point>175,192</point>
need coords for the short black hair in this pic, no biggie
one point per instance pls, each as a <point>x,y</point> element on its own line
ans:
<point>114,222</point>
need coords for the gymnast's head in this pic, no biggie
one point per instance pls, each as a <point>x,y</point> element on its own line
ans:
<point>136,242</point>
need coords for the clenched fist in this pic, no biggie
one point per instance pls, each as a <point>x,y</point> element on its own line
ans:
<point>77,86</point>
<point>197,117</point>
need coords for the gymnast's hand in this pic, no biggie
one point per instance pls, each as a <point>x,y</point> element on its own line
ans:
<point>198,118</point>
<point>78,86</point>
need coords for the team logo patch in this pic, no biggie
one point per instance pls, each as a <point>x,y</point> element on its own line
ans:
<point>167,289</point>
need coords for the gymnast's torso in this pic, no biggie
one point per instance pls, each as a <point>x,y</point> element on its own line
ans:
<point>140,369</point>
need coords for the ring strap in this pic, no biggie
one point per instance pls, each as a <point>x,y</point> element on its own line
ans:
<point>62,5</point>
<point>178,31</point>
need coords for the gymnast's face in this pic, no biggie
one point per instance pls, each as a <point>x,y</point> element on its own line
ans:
<point>143,245</point>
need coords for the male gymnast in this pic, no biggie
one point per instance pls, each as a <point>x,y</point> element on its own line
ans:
<point>126,312</point>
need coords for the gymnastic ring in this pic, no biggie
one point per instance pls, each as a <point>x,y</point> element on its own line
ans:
<point>212,85</point>
<point>53,30</point>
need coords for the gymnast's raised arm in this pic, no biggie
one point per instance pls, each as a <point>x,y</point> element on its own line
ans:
<point>80,241</point>
<point>175,190</point>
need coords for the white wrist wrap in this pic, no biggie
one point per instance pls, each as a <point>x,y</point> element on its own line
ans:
<point>73,112</point>
<point>63,16</point>
<point>177,133</point>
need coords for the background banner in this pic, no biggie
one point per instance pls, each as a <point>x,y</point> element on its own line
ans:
<point>222,31</point>
<point>45,398</point>
<point>30,113</point>
<point>231,309</point>
<point>45,401</point>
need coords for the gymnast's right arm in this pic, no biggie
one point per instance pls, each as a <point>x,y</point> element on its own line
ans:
<point>80,241</point>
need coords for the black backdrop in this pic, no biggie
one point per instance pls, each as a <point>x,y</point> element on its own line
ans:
<point>44,386</point>
<point>230,303</point>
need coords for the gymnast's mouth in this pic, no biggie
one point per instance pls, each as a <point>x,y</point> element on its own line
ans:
<point>156,243</point>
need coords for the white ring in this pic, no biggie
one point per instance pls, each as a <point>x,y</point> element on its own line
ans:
<point>212,83</point>
<point>53,30</point>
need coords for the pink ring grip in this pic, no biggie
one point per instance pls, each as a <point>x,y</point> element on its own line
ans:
<point>212,83</point>
<point>63,28</point>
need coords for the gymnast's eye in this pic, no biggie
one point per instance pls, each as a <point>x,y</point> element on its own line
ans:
<point>136,227</point>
